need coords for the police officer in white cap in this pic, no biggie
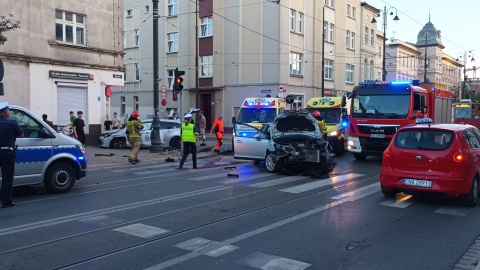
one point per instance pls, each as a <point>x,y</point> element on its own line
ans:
<point>189,139</point>
<point>9,132</point>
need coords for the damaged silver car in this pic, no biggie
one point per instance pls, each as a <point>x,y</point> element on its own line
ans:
<point>292,143</point>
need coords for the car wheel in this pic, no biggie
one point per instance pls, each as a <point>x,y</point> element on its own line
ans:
<point>176,143</point>
<point>272,163</point>
<point>118,143</point>
<point>59,178</point>
<point>340,148</point>
<point>471,199</point>
<point>359,156</point>
<point>389,193</point>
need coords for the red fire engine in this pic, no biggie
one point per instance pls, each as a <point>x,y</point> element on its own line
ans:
<point>379,109</point>
<point>467,112</point>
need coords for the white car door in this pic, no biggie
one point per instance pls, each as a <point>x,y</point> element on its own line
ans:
<point>249,142</point>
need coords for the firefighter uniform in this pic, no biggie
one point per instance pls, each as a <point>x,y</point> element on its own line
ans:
<point>218,128</point>
<point>189,140</point>
<point>134,126</point>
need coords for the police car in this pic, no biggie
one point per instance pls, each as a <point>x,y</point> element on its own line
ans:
<point>45,156</point>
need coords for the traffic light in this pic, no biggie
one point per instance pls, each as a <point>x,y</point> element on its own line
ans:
<point>177,84</point>
<point>108,91</point>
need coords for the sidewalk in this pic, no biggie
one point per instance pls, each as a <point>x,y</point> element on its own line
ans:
<point>105,158</point>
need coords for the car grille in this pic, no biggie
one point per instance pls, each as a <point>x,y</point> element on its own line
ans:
<point>311,155</point>
<point>378,129</point>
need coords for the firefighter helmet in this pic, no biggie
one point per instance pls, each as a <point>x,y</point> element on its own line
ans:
<point>135,114</point>
<point>316,114</point>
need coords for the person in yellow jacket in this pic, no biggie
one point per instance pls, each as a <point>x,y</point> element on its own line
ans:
<point>320,122</point>
<point>189,139</point>
<point>134,126</point>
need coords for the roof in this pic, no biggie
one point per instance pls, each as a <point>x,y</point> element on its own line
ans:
<point>429,36</point>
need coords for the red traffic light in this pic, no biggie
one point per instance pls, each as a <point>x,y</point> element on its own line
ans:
<point>178,80</point>
<point>108,91</point>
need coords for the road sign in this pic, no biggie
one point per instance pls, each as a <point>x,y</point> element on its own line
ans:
<point>164,89</point>
<point>163,95</point>
<point>164,102</point>
<point>265,91</point>
<point>289,99</point>
<point>281,88</point>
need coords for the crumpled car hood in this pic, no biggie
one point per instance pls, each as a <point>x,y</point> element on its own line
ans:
<point>296,124</point>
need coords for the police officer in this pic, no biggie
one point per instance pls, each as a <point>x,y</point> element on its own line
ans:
<point>189,139</point>
<point>9,132</point>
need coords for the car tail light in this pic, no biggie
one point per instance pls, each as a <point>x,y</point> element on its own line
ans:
<point>458,157</point>
<point>386,153</point>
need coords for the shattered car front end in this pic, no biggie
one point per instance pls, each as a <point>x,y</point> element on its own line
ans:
<point>296,146</point>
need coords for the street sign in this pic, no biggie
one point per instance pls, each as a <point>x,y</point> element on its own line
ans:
<point>163,95</point>
<point>164,89</point>
<point>281,88</point>
<point>164,102</point>
<point>265,91</point>
<point>289,99</point>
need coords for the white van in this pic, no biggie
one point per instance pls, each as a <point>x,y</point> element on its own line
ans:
<point>45,156</point>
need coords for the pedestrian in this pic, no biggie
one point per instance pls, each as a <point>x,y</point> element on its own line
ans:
<point>50,123</point>
<point>116,123</point>
<point>108,123</point>
<point>218,128</point>
<point>174,116</point>
<point>203,126</point>
<point>134,126</point>
<point>78,125</point>
<point>72,118</point>
<point>9,132</point>
<point>189,139</point>
<point>125,120</point>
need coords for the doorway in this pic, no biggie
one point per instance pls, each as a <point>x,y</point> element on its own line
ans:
<point>206,107</point>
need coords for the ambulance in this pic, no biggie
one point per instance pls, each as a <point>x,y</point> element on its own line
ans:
<point>334,113</point>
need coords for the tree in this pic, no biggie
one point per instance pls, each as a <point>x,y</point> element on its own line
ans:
<point>7,24</point>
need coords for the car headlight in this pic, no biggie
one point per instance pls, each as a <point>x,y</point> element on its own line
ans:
<point>80,148</point>
<point>333,133</point>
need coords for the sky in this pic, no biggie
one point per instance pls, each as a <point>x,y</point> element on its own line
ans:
<point>456,19</point>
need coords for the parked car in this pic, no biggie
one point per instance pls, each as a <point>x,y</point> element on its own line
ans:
<point>292,142</point>
<point>433,159</point>
<point>169,134</point>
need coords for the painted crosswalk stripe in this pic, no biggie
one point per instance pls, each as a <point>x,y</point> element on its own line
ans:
<point>246,177</point>
<point>278,181</point>
<point>354,192</point>
<point>321,183</point>
<point>101,220</point>
<point>142,230</point>
<point>454,210</point>
<point>400,201</point>
<point>199,243</point>
<point>266,261</point>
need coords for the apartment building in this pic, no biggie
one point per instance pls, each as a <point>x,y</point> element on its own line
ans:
<point>246,48</point>
<point>63,58</point>
<point>371,45</point>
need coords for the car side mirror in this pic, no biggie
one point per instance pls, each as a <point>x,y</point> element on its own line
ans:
<point>257,136</point>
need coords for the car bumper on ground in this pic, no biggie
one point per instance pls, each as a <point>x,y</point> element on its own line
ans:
<point>104,142</point>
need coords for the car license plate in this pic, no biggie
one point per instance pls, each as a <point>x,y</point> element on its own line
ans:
<point>417,183</point>
<point>377,135</point>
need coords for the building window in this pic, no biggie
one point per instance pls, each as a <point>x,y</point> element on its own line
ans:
<point>353,41</point>
<point>124,40</point>
<point>372,35</point>
<point>325,27</point>
<point>365,69</point>
<point>122,105</point>
<point>172,7</point>
<point>70,27</point>
<point>292,20</point>
<point>296,64</point>
<point>354,12</point>
<point>349,73</point>
<point>331,33</point>
<point>349,10</point>
<point>129,13</point>
<point>371,69</point>
<point>147,9</point>
<point>171,78</point>
<point>330,3</point>
<point>300,23</point>
<point>328,73</point>
<point>207,66</point>
<point>137,37</point>
<point>173,42</point>
<point>207,27</point>
<point>137,71</point>
<point>124,72</point>
<point>135,103</point>
<point>366,35</point>
<point>347,42</point>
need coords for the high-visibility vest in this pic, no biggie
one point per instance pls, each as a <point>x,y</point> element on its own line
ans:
<point>322,126</point>
<point>188,134</point>
<point>133,128</point>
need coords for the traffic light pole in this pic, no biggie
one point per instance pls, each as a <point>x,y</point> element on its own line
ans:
<point>155,135</point>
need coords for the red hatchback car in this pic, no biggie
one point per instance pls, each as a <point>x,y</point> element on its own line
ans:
<point>434,159</point>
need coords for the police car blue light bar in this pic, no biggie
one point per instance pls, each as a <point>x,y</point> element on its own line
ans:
<point>250,103</point>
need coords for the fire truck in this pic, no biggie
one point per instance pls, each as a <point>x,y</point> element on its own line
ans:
<point>379,109</point>
<point>467,112</point>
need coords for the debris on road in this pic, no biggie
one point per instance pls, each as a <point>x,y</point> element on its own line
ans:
<point>230,167</point>
<point>104,155</point>
<point>233,175</point>
<point>170,159</point>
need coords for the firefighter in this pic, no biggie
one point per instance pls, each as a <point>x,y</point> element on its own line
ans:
<point>134,126</point>
<point>218,128</point>
<point>320,122</point>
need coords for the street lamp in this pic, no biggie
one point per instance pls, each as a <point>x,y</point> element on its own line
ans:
<point>385,10</point>
<point>465,69</point>
<point>156,146</point>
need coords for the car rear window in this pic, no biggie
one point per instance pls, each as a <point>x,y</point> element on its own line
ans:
<point>424,139</point>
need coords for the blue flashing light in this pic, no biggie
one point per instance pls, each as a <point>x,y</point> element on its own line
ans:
<point>244,134</point>
<point>81,158</point>
<point>250,103</point>
<point>433,88</point>
<point>266,103</point>
<point>344,124</point>
<point>366,83</point>
<point>400,82</point>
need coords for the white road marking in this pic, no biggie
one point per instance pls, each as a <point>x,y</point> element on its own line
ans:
<point>454,210</point>
<point>321,183</point>
<point>142,230</point>
<point>246,177</point>
<point>278,181</point>
<point>102,220</point>
<point>400,201</point>
<point>260,230</point>
<point>270,262</point>
<point>351,193</point>
<point>199,243</point>
<point>221,251</point>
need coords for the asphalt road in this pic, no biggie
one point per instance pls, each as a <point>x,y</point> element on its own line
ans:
<point>156,217</point>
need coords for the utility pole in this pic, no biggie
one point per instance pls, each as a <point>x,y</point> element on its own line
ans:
<point>323,53</point>
<point>197,121</point>
<point>384,71</point>
<point>155,135</point>
<point>425,63</point>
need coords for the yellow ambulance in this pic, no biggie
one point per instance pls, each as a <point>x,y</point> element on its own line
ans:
<point>334,113</point>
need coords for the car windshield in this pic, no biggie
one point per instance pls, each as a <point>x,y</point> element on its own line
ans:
<point>256,115</point>
<point>329,115</point>
<point>380,106</point>
<point>424,139</point>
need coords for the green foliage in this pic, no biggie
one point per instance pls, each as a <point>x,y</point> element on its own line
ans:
<point>7,24</point>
